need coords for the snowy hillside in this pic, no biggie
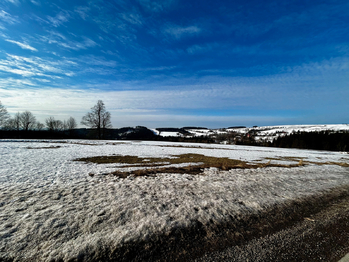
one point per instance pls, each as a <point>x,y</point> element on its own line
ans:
<point>266,133</point>
<point>270,132</point>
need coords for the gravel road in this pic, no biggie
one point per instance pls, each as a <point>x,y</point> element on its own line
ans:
<point>323,236</point>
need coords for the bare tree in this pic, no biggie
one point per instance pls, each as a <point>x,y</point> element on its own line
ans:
<point>20,121</point>
<point>15,123</point>
<point>54,125</point>
<point>4,116</point>
<point>98,118</point>
<point>64,125</point>
<point>106,120</point>
<point>39,126</point>
<point>71,123</point>
<point>50,123</point>
<point>10,125</point>
<point>27,120</point>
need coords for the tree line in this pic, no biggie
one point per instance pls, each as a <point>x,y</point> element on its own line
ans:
<point>98,118</point>
<point>322,140</point>
<point>25,125</point>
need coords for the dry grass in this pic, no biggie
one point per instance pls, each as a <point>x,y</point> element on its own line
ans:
<point>200,162</point>
<point>330,163</point>
<point>285,158</point>
<point>301,161</point>
<point>80,143</point>
<point>198,147</point>
<point>44,147</point>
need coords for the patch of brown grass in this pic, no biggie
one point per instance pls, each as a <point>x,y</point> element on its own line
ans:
<point>331,163</point>
<point>44,147</point>
<point>195,164</point>
<point>303,163</point>
<point>197,147</point>
<point>285,158</point>
<point>201,162</point>
<point>208,161</point>
<point>112,159</point>
<point>84,144</point>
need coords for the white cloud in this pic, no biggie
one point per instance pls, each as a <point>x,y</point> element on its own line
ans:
<point>15,83</point>
<point>203,48</point>
<point>59,19</point>
<point>16,2</point>
<point>38,19</point>
<point>56,34</point>
<point>155,104</point>
<point>76,102</point>
<point>157,5</point>
<point>16,71</point>
<point>179,31</point>
<point>70,74</point>
<point>35,2</point>
<point>97,60</point>
<point>42,80</point>
<point>61,40</point>
<point>132,18</point>
<point>7,18</point>
<point>22,45</point>
<point>34,66</point>
<point>82,11</point>
<point>78,45</point>
<point>178,120</point>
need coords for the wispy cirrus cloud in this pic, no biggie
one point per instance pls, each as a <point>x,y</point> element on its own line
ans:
<point>59,19</point>
<point>16,2</point>
<point>149,108</point>
<point>82,11</point>
<point>8,69</point>
<point>61,40</point>
<point>38,19</point>
<point>197,49</point>
<point>135,102</point>
<point>7,18</point>
<point>97,60</point>
<point>157,5</point>
<point>132,18</point>
<point>11,82</point>
<point>34,66</point>
<point>22,45</point>
<point>181,31</point>
<point>35,2</point>
<point>74,45</point>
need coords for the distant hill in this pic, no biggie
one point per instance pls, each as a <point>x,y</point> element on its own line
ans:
<point>193,127</point>
<point>324,137</point>
<point>236,127</point>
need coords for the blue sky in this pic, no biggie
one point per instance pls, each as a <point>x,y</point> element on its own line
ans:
<point>177,63</point>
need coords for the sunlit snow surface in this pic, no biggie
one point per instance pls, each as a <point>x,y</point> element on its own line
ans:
<point>51,208</point>
<point>34,161</point>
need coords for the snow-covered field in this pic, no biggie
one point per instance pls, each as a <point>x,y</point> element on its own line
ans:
<point>51,209</point>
